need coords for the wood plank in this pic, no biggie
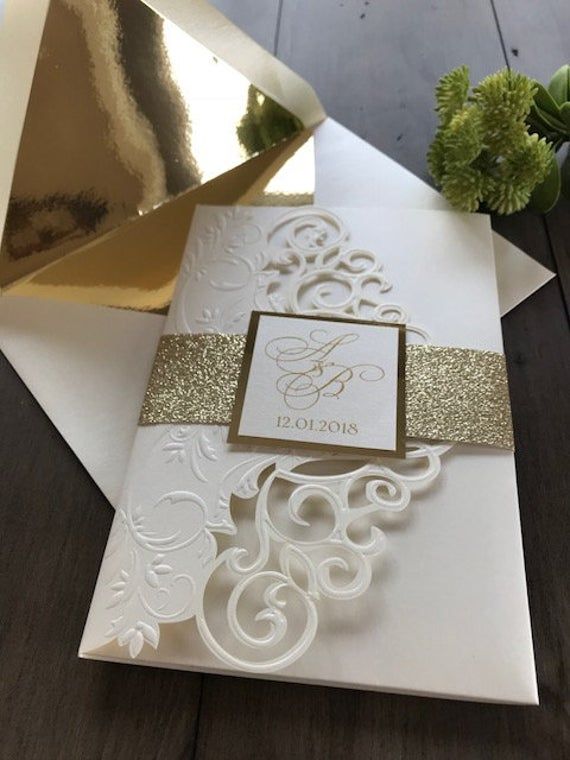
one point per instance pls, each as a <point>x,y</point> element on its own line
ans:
<point>535,35</point>
<point>374,64</point>
<point>258,18</point>
<point>558,225</point>
<point>536,43</point>
<point>54,529</point>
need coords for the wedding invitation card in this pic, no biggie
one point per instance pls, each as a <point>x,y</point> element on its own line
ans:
<point>322,484</point>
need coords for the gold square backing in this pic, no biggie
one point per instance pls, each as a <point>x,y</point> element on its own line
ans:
<point>234,436</point>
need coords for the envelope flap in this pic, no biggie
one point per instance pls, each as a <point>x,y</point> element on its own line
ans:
<point>213,30</point>
<point>127,112</point>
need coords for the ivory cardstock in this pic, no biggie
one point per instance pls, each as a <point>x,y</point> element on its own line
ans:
<point>400,575</point>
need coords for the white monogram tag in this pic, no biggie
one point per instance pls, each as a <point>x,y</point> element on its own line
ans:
<point>323,383</point>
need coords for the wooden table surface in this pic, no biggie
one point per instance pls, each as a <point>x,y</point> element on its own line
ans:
<point>374,64</point>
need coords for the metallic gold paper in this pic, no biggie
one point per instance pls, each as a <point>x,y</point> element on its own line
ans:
<point>136,267</point>
<point>129,115</point>
<point>452,394</point>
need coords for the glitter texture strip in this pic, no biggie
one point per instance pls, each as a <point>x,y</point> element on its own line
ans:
<point>193,380</point>
<point>458,394</point>
<point>452,394</point>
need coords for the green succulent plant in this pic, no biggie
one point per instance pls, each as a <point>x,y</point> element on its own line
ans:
<point>483,152</point>
<point>549,117</point>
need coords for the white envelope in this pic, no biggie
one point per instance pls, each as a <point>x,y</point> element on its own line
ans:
<point>445,612</point>
<point>107,353</point>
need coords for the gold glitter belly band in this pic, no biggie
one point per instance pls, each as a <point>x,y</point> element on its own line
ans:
<point>451,394</point>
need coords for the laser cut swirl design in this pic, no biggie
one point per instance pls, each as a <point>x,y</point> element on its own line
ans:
<point>163,561</point>
<point>317,558</point>
<point>313,270</point>
<point>303,264</point>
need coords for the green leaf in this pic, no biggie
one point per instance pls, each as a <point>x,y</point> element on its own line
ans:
<point>545,195</point>
<point>541,127</point>
<point>552,123</point>
<point>565,177</point>
<point>559,86</point>
<point>544,100</point>
<point>565,112</point>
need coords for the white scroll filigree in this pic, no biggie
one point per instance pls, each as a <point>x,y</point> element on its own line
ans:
<point>318,558</point>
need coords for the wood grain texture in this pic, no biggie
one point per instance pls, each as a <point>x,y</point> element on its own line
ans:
<point>558,227</point>
<point>374,64</point>
<point>258,19</point>
<point>538,43</point>
<point>376,74</point>
<point>535,35</point>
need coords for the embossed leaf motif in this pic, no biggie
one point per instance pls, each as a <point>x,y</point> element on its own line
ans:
<point>136,636</point>
<point>119,588</point>
<point>155,569</point>
<point>164,545</point>
<point>217,320</point>
<point>195,446</point>
<point>221,260</point>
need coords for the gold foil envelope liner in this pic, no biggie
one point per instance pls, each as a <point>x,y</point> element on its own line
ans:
<point>132,120</point>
